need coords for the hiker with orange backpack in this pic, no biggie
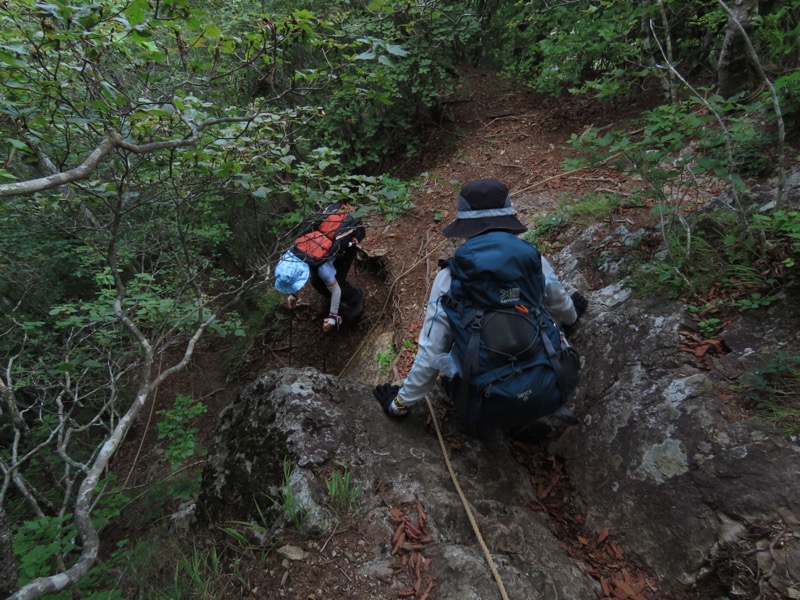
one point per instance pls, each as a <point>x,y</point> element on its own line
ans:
<point>324,254</point>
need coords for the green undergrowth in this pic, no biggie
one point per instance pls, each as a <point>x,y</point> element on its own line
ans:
<point>774,391</point>
<point>142,557</point>
<point>344,493</point>
<point>544,231</point>
<point>165,565</point>
<point>737,257</point>
<point>290,503</point>
<point>387,357</point>
<point>175,427</point>
<point>715,259</point>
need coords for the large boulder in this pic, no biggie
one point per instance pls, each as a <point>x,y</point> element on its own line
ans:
<point>662,456</point>
<point>316,421</point>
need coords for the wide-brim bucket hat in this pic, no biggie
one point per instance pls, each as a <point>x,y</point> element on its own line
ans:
<point>291,274</point>
<point>484,204</point>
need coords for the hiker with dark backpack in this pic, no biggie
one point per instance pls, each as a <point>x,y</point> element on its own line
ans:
<point>493,323</point>
<point>324,253</point>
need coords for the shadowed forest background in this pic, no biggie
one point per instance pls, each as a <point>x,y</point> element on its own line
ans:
<point>157,157</point>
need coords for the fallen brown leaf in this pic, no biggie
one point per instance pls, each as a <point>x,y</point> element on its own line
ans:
<point>422,518</point>
<point>412,529</point>
<point>639,584</point>
<point>396,515</point>
<point>606,586</point>
<point>615,549</point>
<point>603,535</point>
<point>622,585</point>
<point>618,593</point>
<point>544,493</point>
<point>399,543</point>
<point>428,590</point>
<point>455,443</point>
<point>397,533</point>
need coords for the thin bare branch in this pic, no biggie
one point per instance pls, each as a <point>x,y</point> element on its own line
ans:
<point>112,141</point>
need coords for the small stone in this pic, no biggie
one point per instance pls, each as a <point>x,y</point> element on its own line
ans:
<point>292,552</point>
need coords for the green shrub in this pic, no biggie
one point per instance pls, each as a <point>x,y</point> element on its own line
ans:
<point>42,543</point>
<point>543,230</point>
<point>174,427</point>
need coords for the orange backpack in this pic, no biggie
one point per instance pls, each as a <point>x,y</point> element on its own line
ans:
<point>329,236</point>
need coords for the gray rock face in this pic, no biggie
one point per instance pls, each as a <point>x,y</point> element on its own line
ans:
<point>658,456</point>
<point>316,420</point>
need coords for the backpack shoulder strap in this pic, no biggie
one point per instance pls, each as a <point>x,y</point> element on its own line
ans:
<point>474,321</point>
<point>466,317</point>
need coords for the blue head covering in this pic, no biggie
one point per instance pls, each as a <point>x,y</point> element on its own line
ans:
<point>291,274</point>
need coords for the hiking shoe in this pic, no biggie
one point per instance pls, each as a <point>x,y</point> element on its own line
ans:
<point>566,416</point>
<point>531,433</point>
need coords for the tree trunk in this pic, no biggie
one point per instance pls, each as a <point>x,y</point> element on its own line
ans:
<point>735,70</point>
<point>8,565</point>
<point>653,49</point>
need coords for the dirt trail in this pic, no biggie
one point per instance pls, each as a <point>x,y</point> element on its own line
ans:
<point>496,129</point>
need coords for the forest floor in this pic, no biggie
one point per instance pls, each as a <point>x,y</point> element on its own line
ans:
<point>492,128</point>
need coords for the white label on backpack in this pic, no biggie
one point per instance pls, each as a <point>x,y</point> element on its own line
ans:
<point>509,295</point>
<point>524,395</point>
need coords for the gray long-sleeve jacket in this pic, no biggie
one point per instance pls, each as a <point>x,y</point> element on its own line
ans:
<point>435,337</point>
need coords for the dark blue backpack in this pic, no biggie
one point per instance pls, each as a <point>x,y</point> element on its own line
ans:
<point>516,364</point>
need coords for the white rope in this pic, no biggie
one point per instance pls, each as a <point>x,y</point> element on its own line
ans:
<point>464,501</point>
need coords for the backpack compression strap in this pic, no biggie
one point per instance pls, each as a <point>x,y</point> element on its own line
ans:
<point>558,369</point>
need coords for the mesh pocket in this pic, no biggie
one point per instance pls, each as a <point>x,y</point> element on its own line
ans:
<point>509,336</point>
